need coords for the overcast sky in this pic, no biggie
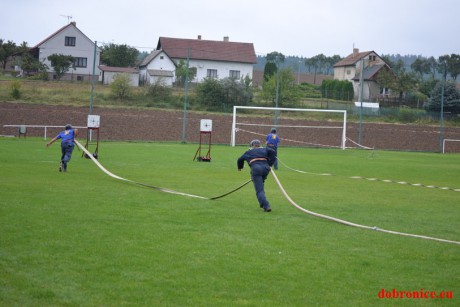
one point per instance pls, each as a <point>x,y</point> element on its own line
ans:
<point>301,28</point>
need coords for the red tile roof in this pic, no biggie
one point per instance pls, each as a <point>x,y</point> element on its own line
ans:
<point>208,50</point>
<point>351,59</point>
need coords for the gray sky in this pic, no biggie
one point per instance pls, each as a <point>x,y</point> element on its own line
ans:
<point>301,28</point>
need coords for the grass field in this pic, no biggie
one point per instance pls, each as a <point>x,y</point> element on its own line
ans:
<point>82,238</point>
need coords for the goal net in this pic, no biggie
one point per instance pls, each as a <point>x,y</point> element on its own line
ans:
<point>295,127</point>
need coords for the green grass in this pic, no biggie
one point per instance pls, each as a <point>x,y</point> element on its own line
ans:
<point>83,238</point>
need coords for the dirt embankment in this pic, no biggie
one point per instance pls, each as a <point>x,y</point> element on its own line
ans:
<point>167,125</point>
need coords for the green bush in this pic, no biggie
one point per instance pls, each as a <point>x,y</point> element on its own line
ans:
<point>15,89</point>
<point>337,89</point>
<point>120,86</point>
<point>407,116</point>
<point>159,92</point>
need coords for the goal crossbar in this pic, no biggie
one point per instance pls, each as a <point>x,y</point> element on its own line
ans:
<point>344,126</point>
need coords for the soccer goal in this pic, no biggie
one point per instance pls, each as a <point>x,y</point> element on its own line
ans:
<point>452,141</point>
<point>296,127</point>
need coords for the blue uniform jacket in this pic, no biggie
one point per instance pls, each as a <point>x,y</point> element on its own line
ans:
<point>272,139</point>
<point>67,135</point>
<point>257,155</point>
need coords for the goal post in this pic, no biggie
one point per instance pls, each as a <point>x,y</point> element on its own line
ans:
<point>343,127</point>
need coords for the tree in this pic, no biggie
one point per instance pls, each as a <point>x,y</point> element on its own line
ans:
<point>119,55</point>
<point>31,65</point>
<point>273,59</point>
<point>443,65</point>
<point>269,70</point>
<point>426,86</point>
<point>386,78</point>
<point>451,101</point>
<point>433,64</point>
<point>398,67</point>
<point>7,50</point>
<point>331,61</point>
<point>289,91</point>
<point>317,62</point>
<point>454,66</point>
<point>61,63</point>
<point>181,72</point>
<point>452,63</point>
<point>386,58</point>
<point>421,66</point>
<point>404,83</point>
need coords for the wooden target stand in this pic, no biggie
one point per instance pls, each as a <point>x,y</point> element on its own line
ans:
<point>205,131</point>
<point>93,125</point>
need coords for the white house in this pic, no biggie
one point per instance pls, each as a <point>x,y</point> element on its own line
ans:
<point>156,68</point>
<point>108,73</point>
<point>350,69</point>
<point>69,40</point>
<point>212,59</point>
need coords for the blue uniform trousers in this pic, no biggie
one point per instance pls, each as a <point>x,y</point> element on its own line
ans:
<point>275,165</point>
<point>259,172</point>
<point>66,149</point>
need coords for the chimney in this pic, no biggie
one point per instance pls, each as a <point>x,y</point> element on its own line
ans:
<point>355,51</point>
<point>199,37</point>
<point>74,23</point>
<point>225,38</point>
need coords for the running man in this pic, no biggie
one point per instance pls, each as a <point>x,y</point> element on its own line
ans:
<point>272,141</point>
<point>67,145</point>
<point>259,159</point>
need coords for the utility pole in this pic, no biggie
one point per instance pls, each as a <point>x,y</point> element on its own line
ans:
<point>298,74</point>
<point>92,79</point>
<point>361,80</point>
<point>277,89</point>
<point>441,124</point>
<point>184,124</point>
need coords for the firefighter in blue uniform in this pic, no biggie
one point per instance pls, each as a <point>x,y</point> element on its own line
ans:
<point>259,159</point>
<point>272,141</point>
<point>67,145</point>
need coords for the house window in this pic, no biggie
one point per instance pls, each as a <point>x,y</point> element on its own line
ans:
<point>212,73</point>
<point>372,58</point>
<point>348,71</point>
<point>81,62</point>
<point>384,92</point>
<point>234,74</point>
<point>70,41</point>
<point>79,78</point>
<point>162,57</point>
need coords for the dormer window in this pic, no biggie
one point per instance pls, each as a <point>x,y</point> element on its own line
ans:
<point>70,41</point>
